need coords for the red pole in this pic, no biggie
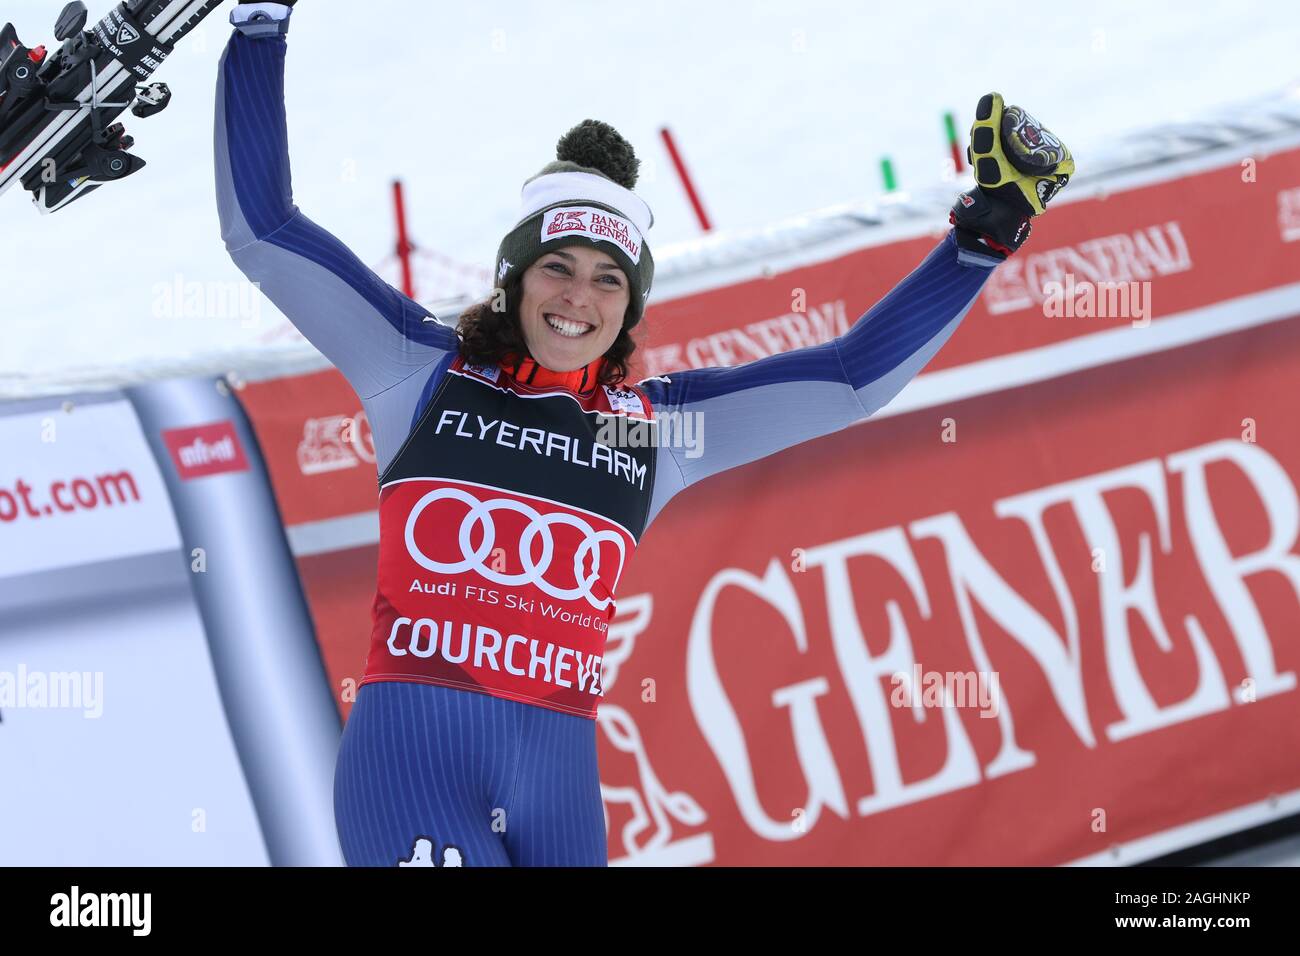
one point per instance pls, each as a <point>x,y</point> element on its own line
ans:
<point>403,245</point>
<point>685,177</point>
<point>954,147</point>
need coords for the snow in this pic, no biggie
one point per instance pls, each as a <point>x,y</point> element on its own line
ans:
<point>783,109</point>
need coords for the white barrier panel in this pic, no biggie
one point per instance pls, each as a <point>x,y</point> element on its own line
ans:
<point>78,487</point>
<point>113,738</point>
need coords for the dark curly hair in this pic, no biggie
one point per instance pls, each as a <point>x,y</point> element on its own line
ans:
<point>487,335</point>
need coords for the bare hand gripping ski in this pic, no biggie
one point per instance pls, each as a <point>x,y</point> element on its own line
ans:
<point>57,135</point>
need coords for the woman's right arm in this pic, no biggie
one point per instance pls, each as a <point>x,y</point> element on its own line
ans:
<point>375,335</point>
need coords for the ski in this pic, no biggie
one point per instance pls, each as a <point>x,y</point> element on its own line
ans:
<point>57,110</point>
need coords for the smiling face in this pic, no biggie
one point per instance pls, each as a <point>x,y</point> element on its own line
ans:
<point>572,309</point>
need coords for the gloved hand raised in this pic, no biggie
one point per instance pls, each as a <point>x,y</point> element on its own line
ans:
<point>1019,166</point>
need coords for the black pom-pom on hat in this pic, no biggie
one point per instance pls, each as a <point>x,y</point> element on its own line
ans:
<point>599,146</point>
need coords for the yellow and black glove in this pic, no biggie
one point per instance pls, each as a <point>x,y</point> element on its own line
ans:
<point>1019,166</point>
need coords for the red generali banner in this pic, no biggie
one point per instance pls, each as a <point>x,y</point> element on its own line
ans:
<point>1028,626</point>
<point>1100,572</point>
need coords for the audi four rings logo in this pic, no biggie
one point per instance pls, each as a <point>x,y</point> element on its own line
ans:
<point>539,525</point>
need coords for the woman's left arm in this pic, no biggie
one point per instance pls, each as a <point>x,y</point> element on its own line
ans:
<point>754,410</point>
